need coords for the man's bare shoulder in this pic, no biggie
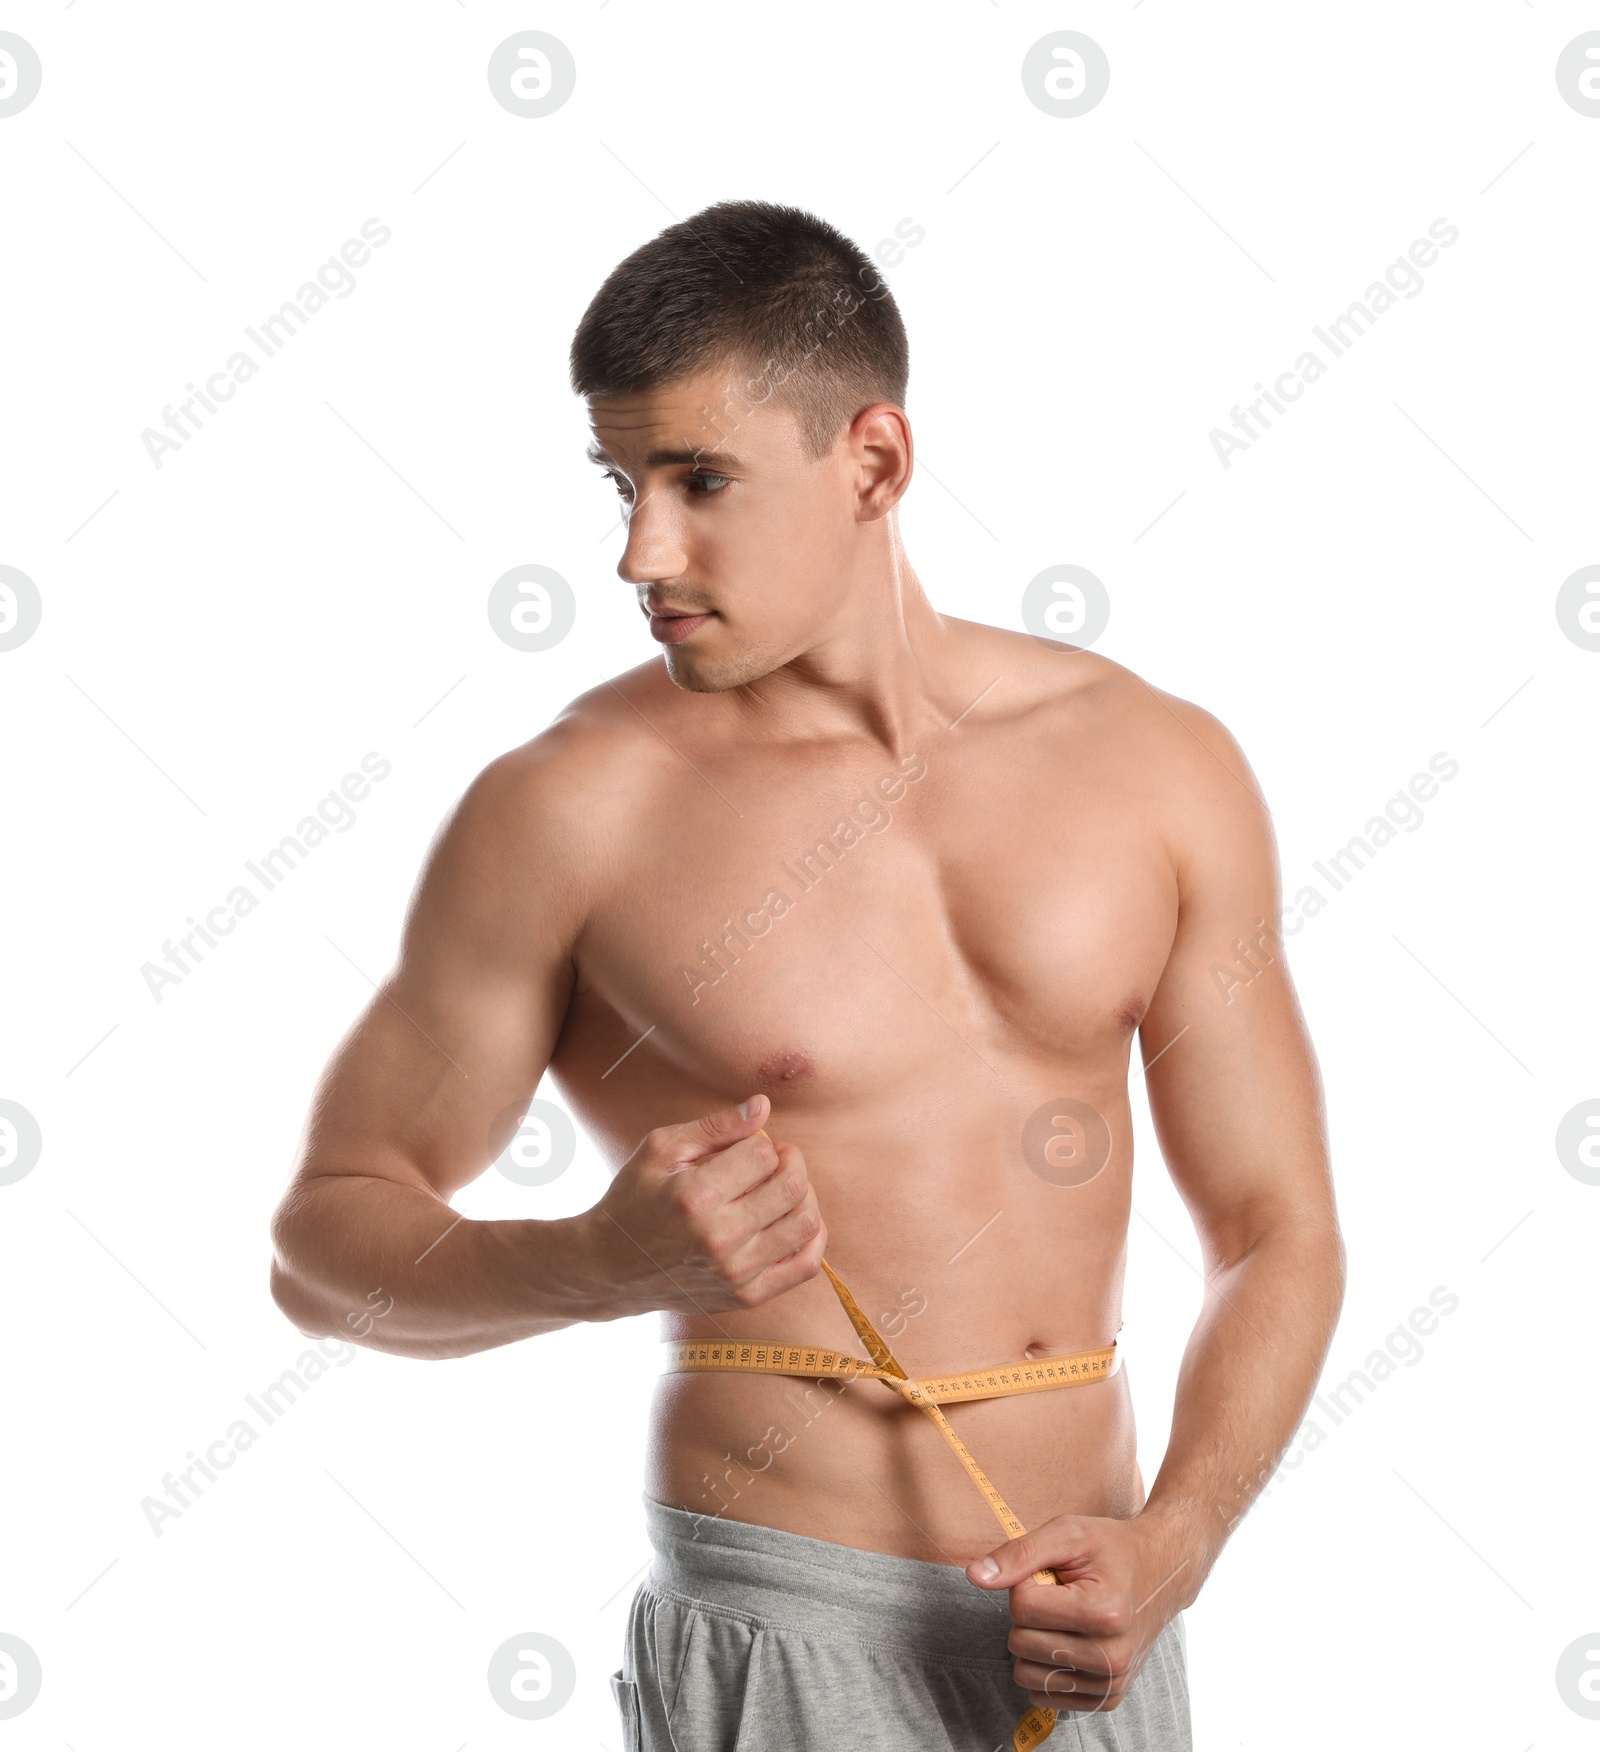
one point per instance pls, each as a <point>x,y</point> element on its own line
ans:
<point>566,793</point>
<point>1179,754</point>
<point>594,743</point>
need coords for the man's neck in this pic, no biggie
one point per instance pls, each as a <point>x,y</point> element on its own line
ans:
<point>887,672</point>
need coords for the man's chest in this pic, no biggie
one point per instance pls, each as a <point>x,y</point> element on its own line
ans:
<point>852,928</point>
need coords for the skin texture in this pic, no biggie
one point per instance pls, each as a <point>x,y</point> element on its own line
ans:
<point>1031,860</point>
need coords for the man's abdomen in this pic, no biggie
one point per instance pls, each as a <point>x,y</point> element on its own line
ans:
<point>958,1266</point>
<point>849,1462</point>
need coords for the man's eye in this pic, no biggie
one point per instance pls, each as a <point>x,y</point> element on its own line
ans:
<point>701,486</point>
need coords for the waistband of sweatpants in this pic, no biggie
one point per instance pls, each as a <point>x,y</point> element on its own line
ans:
<point>792,1582</point>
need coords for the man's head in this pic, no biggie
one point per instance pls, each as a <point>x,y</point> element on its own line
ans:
<point>745,372</point>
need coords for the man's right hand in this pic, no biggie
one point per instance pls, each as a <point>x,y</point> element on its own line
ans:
<point>705,1217</point>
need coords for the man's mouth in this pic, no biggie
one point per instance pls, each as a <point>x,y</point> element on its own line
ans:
<point>674,628</point>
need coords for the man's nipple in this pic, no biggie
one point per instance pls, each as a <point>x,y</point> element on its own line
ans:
<point>783,1070</point>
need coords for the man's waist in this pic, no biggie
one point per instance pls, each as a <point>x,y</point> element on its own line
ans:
<point>817,1362</point>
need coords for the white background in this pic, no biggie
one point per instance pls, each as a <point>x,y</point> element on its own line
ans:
<point>223,638</point>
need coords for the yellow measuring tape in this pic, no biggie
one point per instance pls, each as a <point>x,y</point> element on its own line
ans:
<point>754,1356</point>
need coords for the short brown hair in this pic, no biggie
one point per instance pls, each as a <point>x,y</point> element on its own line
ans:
<point>769,290</point>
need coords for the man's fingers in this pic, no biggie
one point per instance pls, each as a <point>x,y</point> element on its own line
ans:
<point>1073,1681</point>
<point>1071,1671</point>
<point>729,1124</point>
<point>1065,1687</point>
<point>743,1189</point>
<point>1017,1559</point>
<point>791,1229</point>
<point>797,1268</point>
<point>754,1216</point>
<point>712,1132</point>
<point>712,1191</point>
<point>1074,1547</point>
<point>784,1188</point>
<point>772,1219</point>
<point>740,1206</point>
<point>1090,1659</point>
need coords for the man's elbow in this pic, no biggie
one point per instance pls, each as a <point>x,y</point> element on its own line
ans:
<point>294,1303</point>
<point>1310,1248</point>
<point>1230,1237</point>
<point>287,1285</point>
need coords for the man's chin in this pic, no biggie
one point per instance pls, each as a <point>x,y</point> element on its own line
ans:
<point>697,672</point>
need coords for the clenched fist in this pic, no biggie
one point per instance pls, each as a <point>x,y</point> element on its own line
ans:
<point>705,1217</point>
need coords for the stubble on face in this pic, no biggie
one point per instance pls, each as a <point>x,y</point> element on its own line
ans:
<point>718,674</point>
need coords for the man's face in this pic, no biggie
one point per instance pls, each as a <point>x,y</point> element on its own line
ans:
<point>739,547</point>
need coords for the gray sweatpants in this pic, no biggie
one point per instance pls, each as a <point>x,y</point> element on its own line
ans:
<point>746,1639</point>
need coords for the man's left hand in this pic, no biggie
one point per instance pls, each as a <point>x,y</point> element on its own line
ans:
<point>1080,1646</point>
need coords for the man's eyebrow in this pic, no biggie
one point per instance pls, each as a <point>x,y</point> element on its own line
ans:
<point>717,461</point>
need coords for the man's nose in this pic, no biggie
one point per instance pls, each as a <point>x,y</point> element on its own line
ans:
<point>654,548</point>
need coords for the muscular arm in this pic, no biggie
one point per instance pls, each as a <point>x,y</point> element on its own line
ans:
<point>432,1081</point>
<point>1237,1103</point>
<point>449,1050</point>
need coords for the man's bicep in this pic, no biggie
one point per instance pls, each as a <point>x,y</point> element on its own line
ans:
<point>427,1086</point>
<point>1233,1084</point>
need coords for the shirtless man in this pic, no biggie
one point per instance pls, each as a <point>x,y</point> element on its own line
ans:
<point>835,924</point>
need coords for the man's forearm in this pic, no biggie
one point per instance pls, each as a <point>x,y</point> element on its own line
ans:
<point>1247,1376</point>
<point>395,1269</point>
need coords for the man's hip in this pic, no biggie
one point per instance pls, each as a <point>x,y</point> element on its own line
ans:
<point>748,1639</point>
